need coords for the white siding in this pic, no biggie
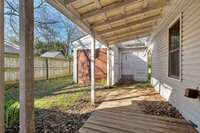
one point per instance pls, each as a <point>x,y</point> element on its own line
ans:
<point>134,62</point>
<point>173,90</point>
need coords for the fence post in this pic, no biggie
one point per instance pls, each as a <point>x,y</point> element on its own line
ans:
<point>47,68</point>
<point>69,67</point>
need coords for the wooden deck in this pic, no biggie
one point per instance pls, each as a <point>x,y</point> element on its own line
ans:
<point>120,113</point>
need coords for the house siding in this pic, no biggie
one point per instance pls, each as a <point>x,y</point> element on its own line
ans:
<point>171,89</point>
<point>134,62</point>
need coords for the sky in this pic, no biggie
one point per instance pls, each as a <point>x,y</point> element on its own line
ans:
<point>47,13</point>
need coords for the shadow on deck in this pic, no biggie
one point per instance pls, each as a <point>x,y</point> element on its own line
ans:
<point>124,111</point>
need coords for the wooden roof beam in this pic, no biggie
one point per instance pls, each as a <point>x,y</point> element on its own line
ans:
<point>140,23</point>
<point>73,17</point>
<point>140,31</point>
<point>97,2</point>
<point>128,30</point>
<point>129,38</point>
<point>67,2</point>
<point>114,6</point>
<point>151,11</point>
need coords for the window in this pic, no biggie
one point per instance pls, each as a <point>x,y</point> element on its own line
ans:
<point>174,50</point>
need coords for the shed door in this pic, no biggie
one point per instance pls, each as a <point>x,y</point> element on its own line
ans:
<point>83,63</point>
<point>83,66</point>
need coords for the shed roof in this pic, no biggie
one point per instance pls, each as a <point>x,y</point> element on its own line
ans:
<point>52,54</point>
<point>113,21</point>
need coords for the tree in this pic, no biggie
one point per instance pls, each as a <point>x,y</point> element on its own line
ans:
<point>50,26</point>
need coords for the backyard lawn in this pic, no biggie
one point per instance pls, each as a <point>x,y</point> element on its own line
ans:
<point>60,105</point>
<point>63,107</point>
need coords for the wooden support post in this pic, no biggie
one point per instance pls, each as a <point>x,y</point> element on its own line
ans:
<point>93,69</point>
<point>108,67</point>
<point>47,68</point>
<point>26,79</point>
<point>1,66</point>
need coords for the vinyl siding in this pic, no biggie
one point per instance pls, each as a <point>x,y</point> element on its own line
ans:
<point>172,89</point>
<point>134,62</point>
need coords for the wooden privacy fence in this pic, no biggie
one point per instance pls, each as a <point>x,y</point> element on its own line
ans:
<point>44,68</point>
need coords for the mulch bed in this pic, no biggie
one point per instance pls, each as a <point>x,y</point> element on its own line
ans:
<point>160,108</point>
<point>60,121</point>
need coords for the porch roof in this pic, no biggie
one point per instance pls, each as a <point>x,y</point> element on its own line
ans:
<point>113,21</point>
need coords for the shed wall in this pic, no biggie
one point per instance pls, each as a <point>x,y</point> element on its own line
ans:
<point>83,63</point>
<point>172,89</point>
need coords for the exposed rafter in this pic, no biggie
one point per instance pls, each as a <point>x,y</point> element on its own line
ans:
<point>140,23</point>
<point>97,2</point>
<point>71,15</point>
<point>112,20</point>
<point>118,5</point>
<point>127,31</point>
<point>66,2</point>
<point>147,12</point>
<point>117,41</point>
<point>137,32</point>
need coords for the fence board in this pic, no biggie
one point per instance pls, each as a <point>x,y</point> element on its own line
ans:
<point>44,68</point>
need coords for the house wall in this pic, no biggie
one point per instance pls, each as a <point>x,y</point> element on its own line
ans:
<point>134,64</point>
<point>171,89</point>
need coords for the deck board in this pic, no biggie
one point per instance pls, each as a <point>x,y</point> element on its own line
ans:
<point>125,116</point>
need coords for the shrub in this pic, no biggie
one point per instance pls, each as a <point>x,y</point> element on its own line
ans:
<point>11,113</point>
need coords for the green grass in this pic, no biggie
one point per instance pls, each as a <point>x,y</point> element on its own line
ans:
<point>52,94</point>
<point>61,101</point>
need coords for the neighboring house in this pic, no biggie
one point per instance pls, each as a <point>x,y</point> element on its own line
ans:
<point>53,54</point>
<point>11,47</point>
<point>127,62</point>
<point>176,57</point>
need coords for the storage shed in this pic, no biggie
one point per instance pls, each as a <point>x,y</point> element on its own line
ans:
<point>126,62</point>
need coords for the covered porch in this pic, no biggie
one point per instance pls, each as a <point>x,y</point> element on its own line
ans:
<point>136,108</point>
<point>111,22</point>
